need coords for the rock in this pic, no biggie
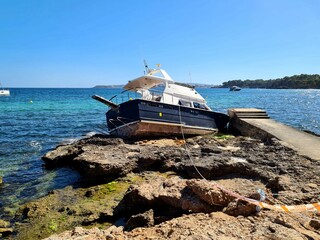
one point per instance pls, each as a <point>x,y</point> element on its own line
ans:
<point>242,208</point>
<point>174,192</point>
<point>242,165</point>
<point>5,231</point>
<point>62,155</point>
<point>188,195</point>
<point>209,192</point>
<point>106,158</point>
<point>281,183</point>
<point>1,181</point>
<point>89,193</point>
<point>212,193</point>
<point>161,194</point>
<point>81,233</point>
<point>209,149</point>
<point>145,219</point>
<point>216,225</point>
<point>315,224</point>
<point>4,224</point>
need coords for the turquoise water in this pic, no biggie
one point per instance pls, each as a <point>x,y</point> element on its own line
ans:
<point>33,121</point>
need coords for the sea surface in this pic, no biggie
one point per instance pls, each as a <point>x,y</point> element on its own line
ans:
<point>33,121</point>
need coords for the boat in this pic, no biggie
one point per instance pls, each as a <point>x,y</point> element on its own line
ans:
<point>164,109</point>
<point>4,92</point>
<point>235,88</point>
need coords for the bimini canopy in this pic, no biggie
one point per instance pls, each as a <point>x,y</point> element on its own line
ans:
<point>148,81</point>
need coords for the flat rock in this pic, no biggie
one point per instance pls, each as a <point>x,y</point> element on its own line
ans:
<point>102,157</point>
<point>215,225</point>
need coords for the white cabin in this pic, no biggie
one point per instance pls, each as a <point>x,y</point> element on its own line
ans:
<point>173,93</point>
<point>4,92</point>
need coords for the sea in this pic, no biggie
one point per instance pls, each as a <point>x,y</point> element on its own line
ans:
<point>34,121</point>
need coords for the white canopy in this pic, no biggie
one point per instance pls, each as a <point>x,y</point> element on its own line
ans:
<point>149,81</point>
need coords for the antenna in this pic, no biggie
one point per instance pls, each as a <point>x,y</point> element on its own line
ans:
<point>146,65</point>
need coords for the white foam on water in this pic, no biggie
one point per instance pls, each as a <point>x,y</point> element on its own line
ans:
<point>35,144</point>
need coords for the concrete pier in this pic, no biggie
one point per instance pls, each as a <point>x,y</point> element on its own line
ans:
<point>256,123</point>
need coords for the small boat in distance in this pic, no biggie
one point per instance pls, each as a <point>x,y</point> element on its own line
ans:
<point>4,92</point>
<point>235,88</point>
<point>175,110</point>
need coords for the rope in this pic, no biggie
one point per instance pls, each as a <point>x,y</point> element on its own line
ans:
<point>312,207</point>
<point>186,147</point>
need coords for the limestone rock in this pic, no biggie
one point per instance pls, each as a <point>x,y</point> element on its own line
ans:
<point>315,224</point>
<point>145,219</point>
<point>242,165</point>
<point>160,194</point>
<point>4,224</point>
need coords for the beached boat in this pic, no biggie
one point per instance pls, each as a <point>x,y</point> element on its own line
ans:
<point>4,92</point>
<point>235,88</point>
<point>174,109</point>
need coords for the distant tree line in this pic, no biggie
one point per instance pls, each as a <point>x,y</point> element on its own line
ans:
<point>302,81</point>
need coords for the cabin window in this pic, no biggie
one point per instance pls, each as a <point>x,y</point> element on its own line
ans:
<point>184,103</point>
<point>199,105</point>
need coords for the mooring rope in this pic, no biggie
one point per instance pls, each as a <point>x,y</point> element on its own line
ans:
<point>312,207</point>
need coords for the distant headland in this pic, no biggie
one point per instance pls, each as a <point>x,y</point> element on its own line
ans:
<point>302,81</point>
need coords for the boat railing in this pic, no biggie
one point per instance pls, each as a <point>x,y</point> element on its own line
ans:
<point>125,97</point>
<point>154,95</point>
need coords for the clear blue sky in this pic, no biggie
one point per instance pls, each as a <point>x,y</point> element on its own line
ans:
<point>76,43</point>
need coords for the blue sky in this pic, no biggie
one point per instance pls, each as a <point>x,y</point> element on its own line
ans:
<point>76,43</point>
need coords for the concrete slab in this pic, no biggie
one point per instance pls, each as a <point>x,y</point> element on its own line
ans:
<point>304,143</point>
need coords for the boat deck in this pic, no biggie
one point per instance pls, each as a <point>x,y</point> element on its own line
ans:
<point>256,123</point>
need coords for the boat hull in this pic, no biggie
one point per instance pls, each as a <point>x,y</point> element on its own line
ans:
<point>143,118</point>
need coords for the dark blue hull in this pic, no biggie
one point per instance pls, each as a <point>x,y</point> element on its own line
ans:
<point>167,118</point>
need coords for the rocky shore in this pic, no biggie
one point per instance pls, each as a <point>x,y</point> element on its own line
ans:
<point>167,189</point>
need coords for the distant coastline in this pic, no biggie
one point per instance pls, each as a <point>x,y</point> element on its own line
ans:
<point>302,81</point>
<point>108,86</point>
<point>197,85</point>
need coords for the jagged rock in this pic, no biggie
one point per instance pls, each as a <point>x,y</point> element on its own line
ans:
<point>175,193</point>
<point>212,193</point>
<point>145,219</point>
<point>188,195</point>
<point>160,194</point>
<point>5,231</point>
